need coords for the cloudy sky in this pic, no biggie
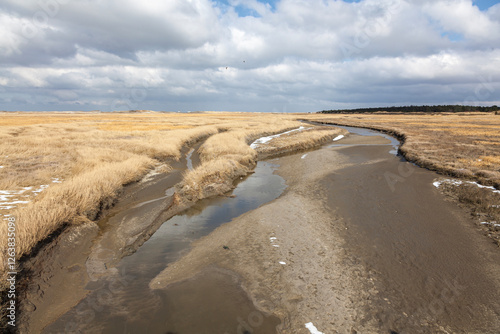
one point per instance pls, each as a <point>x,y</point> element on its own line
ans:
<point>247,55</point>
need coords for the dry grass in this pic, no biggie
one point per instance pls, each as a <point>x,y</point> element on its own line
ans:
<point>483,204</point>
<point>82,160</point>
<point>226,156</point>
<point>465,145</point>
<point>95,154</point>
<point>78,199</point>
<point>307,139</point>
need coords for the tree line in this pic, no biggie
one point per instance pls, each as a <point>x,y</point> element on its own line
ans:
<point>418,109</point>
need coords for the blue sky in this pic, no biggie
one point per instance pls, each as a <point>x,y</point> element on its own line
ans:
<point>243,10</point>
<point>250,55</point>
<point>485,4</point>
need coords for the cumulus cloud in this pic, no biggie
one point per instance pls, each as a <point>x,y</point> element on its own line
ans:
<point>287,55</point>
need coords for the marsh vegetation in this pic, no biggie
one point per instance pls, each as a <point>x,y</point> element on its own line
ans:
<point>60,169</point>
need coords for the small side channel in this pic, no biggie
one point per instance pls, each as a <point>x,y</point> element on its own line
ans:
<point>122,301</point>
<point>370,133</point>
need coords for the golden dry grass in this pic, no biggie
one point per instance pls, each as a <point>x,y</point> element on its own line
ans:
<point>82,160</point>
<point>227,155</point>
<point>307,139</point>
<point>464,145</point>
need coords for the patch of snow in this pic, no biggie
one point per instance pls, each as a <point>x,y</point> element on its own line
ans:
<point>494,224</point>
<point>276,245</point>
<point>437,184</point>
<point>4,198</point>
<point>9,199</point>
<point>283,263</point>
<point>42,188</point>
<point>15,202</point>
<point>265,140</point>
<point>304,156</point>
<point>272,238</point>
<point>312,328</point>
<point>495,206</point>
<point>149,176</point>
<point>1,166</point>
<point>56,180</point>
<point>338,137</point>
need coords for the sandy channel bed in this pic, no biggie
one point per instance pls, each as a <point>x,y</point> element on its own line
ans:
<point>289,253</point>
<point>311,260</point>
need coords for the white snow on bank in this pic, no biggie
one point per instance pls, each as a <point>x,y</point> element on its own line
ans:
<point>437,184</point>
<point>9,199</point>
<point>304,156</point>
<point>494,224</point>
<point>265,140</point>
<point>283,263</point>
<point>39,190</point>
<point>338,137</point>
<point>1,166</point>
<point>312,328</point>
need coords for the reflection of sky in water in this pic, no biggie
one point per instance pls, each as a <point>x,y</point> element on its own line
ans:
<point>175,235</point>
<point>168,244</point>
<point>259,188</point>
<point>367,132</point>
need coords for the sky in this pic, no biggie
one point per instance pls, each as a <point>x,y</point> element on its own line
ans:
<point>247,55</point>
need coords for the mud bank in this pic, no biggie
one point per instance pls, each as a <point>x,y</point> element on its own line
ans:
<point>53,280</point>
<point>359,242</point>
<point>119,300</point>
<point>90,251</point>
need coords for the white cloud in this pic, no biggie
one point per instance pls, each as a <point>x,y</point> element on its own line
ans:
<point>462,17</point>
<point>197,54</point>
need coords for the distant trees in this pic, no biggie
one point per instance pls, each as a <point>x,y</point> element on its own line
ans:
<point>417,109</point>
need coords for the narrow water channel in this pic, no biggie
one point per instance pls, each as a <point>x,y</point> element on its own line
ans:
<point>123,303</point>
<point>427,269</point>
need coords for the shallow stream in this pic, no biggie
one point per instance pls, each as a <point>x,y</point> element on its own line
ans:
<point>123,303</point>
<point>427,266</point>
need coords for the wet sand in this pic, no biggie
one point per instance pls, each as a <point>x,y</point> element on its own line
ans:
<point>359,242</point>
<point>120,301</point>
<point>58,275</point>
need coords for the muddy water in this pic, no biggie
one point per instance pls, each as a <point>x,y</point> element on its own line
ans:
<point>212,302</point>
<point>433,271</point>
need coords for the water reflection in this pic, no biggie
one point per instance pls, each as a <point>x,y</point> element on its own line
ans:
<point>130,305</point>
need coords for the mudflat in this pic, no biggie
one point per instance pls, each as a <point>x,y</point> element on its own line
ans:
<point>359,242</point>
